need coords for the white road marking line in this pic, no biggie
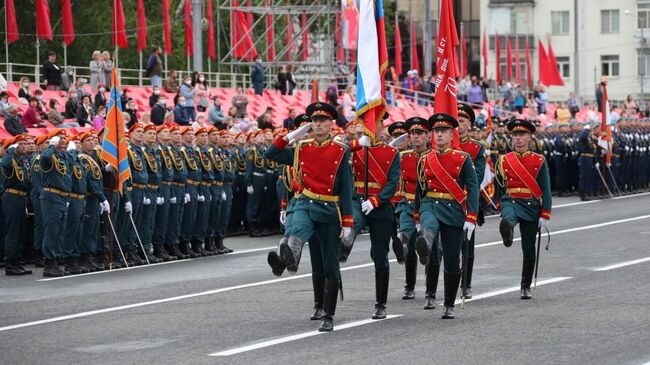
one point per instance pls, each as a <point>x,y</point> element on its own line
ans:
<point>277,341</point>
<point>249,285</point>
<point>300,336</point>
<point>591,226</point>
<point>623,264</point>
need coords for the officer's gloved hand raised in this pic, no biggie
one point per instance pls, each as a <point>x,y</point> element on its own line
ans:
<point>55,141</point>
<point>187,198</point>
<point>469,227</point>
<point>299,133</point>
<point>365,141</point>
<point>250,190</point>
<point>128,207</point>
<point>72,146</point>
<point>399,140</point>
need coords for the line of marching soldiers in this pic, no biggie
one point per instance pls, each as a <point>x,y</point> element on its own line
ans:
<point>423,195</point>
<point>188,189</point>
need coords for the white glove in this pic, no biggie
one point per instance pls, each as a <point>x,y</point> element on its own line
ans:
<point>201,198</point>
<point>250,190</point>
<point>160,200</point>
<point>399,140</point>
<point>187,198</point>
<point>417,227</point>
<point>71,146</point>
<point>55,141</point>
<point>128,207</point>
<point>101,208</point>
<point>223,196</point>
<point>597,165</point>
<point>109,168</point>
<point>469,227</point>
<point>12,146</point>
<point>283,217</point>
<point>366,207</point>
<point>146,201</point>
<point>542,222</point>
<point>365,141</point>
<point>172,200</point>
<point>346,231</point>
<point>300,132</point>
<point>266,188</point>
<point>106,207</point>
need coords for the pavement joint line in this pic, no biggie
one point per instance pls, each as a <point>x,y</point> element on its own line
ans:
<point>249,285</point>
<point>281,340</point>
<point>575,229</point>
<point>299,336</point>
<point>623,264</point>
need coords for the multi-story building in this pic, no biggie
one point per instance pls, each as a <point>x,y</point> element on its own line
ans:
<point>603,37</point>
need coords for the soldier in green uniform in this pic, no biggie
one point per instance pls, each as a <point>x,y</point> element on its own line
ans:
<point>167,183</point>
<point>204,198</point>
<point>229,171</point>
<point>35,196</point>
<point>178,195</point>
<point>216,191</point>
<point>192,184</point>
<point>255,184</point>
<point>71,244</point>
<point>324,210</point>
<point>16,186</point>
<point>147,221</point>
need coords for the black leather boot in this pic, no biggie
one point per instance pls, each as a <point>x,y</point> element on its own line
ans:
<point>467,289</point>
<point>189,251</point>
<point>274,260</point>
<point>160,253</point>
<point>72,266</point>
<point>13,269</point>
<point>381,294</point>
<point>527,271</point>
<point>329,306</point>
<point>318,284</point>
<point>51,269</point>
<point>451,290</point>
<point>290,252</point>
<point>174,251</point>
<point>411,269</point>
<point>398,249</point>
<point>197,246</point>
<point>222,246</point>
<point>506,232</point>
<point>432,273</point>
<point>346,244</point>
<point>424,244</point>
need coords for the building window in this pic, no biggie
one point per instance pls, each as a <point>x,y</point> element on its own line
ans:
<point>609,21</point>
<point>560,22</point>
<point>609,65</point>
<point>564,66</point>
<point>644,62</point>
<point>643,16</point>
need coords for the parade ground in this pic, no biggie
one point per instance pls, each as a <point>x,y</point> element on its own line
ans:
<point>590,305</point>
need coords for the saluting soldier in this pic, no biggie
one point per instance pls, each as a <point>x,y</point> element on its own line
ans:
<point>16,185</point>
<point>373,208</point>
<point>527,199</point>
<point>71,244</point>
<point>324,209</point>
<point>446,203</point>
<point>36,176</point>
<point>475,150</point>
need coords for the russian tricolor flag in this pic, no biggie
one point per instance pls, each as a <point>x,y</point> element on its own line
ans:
<point>372,62</point>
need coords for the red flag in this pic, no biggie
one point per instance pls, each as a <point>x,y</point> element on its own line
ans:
<point>270,32</point>
<point>12,24</point>
<point>43,27</point>
<point>398,49</point>
<point>415,63</point>
<point>119,27</point>
<point>497,46</point>
<point>508,59</point>
<point>463,44</point>
<point>289,37</point>
<point>543,64</point>
<point>68,23</point>
<point>189,43</point>
<point>212,52</point>
<point>485,56</point>
<point>529,70</point>
<point>517,60</point>
<point>445,96</point>
<point>249,15</point>
<point>167,28</point>
<point>241,41</point>
<point>555,77</point>
<point>304,44</point>
<point>604,107</point>
<point>604,125</point>
<point>314,91</point>
<point>340,51</point>
<point>142,27</point>
<point>488,129</point>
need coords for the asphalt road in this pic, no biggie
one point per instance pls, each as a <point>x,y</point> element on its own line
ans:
<point>231,309</point>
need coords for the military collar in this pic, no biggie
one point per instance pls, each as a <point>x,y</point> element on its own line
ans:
<point>465,140</point>
<point>524,154</point>
<point>325,142</point>
<point>446,150</point>
<point>423,153</point>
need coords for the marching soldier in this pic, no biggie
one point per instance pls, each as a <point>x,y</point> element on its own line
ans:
<point>527,199</point>
<point>475,150</point>
<point>324,210</point>
<point>372,207</point>
<point>443,207</point>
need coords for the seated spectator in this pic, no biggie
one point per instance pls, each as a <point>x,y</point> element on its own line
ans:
<point>53,116</point>
<point>13,121</point>
<point>85,111</point>
<point>215,115</point>
<point>100,119</point>
<point>145,118</point>
<point>169,118</point>
<point>155,95</point>
<point>23,91</point>
<point>132,110</point>
<point>4,103</point>
<point>180,112</point>
<point>159,110</point>
<point>200,121</point>
<point>72,104</point>
<point>265,121</point>
<point>31,117</point>
<point>100,98</point>
<point>40,107</point>
<point>171,85</point>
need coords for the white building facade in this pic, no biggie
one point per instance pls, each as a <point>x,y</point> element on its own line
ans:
<point>604,37</point>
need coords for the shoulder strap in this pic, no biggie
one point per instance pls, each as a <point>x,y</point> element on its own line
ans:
<point>523,174</point>
<point>441,174</point>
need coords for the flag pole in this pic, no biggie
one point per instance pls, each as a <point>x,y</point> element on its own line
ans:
<point>37,75</point>
<point>7,43</point>
<point>140,69</point>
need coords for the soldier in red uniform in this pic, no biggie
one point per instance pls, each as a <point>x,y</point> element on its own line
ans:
<point>372,207</point>
<point>524,177</point>
<point>446,202</point>
<point>399,135</point>
<point>323,212</point>
<point>466,121</point>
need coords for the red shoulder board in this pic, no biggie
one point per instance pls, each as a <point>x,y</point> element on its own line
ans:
<point>471,147</point>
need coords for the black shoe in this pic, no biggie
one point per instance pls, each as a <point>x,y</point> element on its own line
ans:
<point>525,293</point>
<point>290,252</point>
<point>89,262</point>
<point>326,324</point>
<point>432,274</point>
<point>449,313</point>
<point>408,294</point>
<point>527,271</point>
<point>219,242</point>
<point>398,249</point>
<point>467,287</point>
<point>318,313</point>
<point>83,265</point>
<point>52,270</point>
<point>429,301</point>
<point>380,311</point>
<point>411,270</point>
<point>134,258</point>
<point>174,251</point>
<point>160,253</point>
<point>71,266</point>
<point>197,246</point>
<point>16,270</point>
<point>149,255</point>
<point>187,250</point>
<point>506,232</point>
<point>274,260</point>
